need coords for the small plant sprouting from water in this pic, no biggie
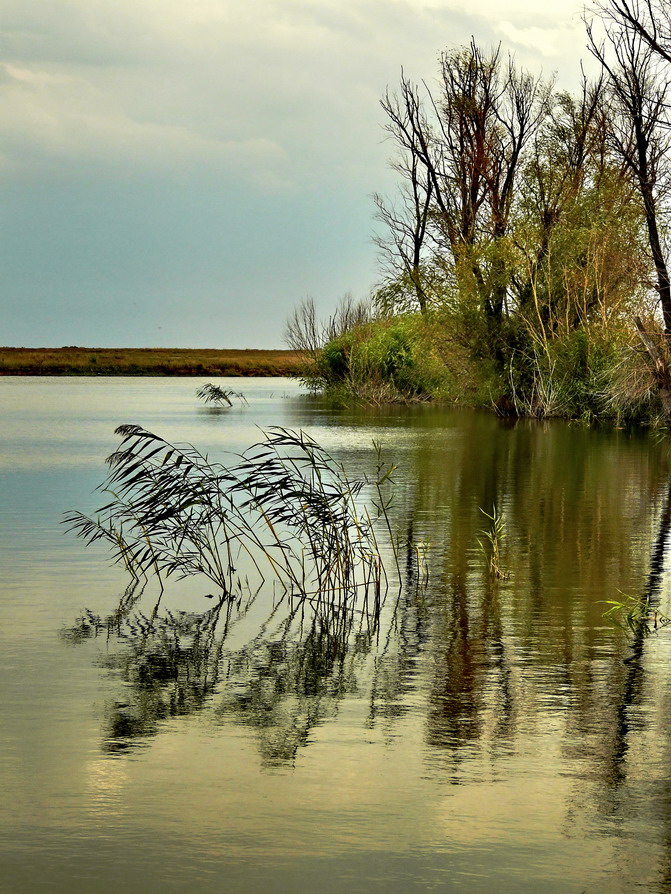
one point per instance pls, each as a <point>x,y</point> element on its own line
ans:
<point>283,511</point>
<point>638,616</point>
<point>218,396</point>
<point>491,541</point>
<point>421,551</point>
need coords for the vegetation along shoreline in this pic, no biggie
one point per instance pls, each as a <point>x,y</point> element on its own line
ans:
<point>525,250</point>
<point>80,361</point>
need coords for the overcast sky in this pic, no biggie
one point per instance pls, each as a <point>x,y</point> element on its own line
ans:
<point>182,172</point>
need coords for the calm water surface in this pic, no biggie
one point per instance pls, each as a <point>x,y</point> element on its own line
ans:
<point>489,736</point>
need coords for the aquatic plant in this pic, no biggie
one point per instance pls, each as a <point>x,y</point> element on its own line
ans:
<point>215,394</point>
<point>637,615</point>
<point>284,512</point>
<point>491,543</point>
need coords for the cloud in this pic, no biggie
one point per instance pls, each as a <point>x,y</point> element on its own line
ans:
<point>286,92</point>
<point>550,41</point>
<point>58,118</point>
<point>154,152</point>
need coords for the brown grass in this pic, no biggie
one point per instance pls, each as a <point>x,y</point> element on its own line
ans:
<point>76,361</point>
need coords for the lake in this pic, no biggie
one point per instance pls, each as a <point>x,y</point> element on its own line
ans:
<point>486,734</point>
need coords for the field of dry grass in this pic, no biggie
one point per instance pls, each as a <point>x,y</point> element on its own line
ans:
<point>76,361</point>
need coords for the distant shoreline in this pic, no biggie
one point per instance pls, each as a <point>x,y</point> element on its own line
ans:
<point>77,361</point>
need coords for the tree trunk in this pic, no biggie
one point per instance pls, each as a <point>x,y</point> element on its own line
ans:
<point>661,270</point>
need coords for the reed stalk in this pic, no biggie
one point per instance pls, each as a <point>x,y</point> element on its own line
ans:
<point>284,510</point>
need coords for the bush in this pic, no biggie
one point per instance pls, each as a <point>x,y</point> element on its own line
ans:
<point>393,357</point>
<point>574,376</point>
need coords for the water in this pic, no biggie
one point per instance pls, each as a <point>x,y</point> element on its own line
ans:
<point>492,735</point>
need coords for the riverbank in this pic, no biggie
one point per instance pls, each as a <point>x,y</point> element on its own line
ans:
<point>77,361</point>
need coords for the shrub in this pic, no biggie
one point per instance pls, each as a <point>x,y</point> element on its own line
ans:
<point>394,358</point>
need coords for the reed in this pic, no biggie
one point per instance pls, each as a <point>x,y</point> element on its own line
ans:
<point>283,511</point>
<point>636,615</point>
<point>491,541</point>
<point>215,394</point>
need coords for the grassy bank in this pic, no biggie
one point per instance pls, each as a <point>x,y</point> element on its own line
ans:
<point>76,361</point>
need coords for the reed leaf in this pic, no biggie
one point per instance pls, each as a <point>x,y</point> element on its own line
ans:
<point>215,394</point>
<point>284,508</point>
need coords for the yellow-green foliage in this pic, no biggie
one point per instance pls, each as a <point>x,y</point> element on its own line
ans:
<point>399,355</point>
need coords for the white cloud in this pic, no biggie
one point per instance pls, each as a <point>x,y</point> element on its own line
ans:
<point>58,117</point>
<point>547,42</point>
<point>285,91</point>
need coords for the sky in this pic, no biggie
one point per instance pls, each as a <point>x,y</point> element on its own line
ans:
<point>182,174</point>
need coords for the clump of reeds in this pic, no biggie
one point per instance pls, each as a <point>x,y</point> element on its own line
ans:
<point>215,394</point>
<point>283,511</point>
<point>491,542</point>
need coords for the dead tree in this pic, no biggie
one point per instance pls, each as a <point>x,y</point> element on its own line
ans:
<point>650,19</point>
<point>407,223</point>
<point>461,151</point>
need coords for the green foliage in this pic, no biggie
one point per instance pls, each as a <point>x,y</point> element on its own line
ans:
<point>568,376</point>
<point>396,358</point>
<point>529,281</point>
<point>333,361</point>
<point>637,616</point>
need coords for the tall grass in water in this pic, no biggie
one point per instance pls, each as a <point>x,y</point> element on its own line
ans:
<point>492,541</point>
<point>215,394</point>
<point>284,510</point>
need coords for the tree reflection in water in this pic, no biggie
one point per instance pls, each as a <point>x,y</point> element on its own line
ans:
<point>486,665</point>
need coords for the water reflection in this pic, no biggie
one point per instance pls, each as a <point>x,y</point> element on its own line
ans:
<point>581,509</point>
<point>294,665</point>
<point>515,682</point>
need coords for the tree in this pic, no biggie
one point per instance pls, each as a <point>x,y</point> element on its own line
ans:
<point>638,131</point>
<point>305,332</point>
<point>634,43</point>
<point>460,153</point>
<point>649,19</point>
<point>407,224</point>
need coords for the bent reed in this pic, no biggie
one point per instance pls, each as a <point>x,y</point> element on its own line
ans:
<point>282,513</point>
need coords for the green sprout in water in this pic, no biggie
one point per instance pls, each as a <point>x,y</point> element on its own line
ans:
<point>637,615</point>
<point>491,542</point>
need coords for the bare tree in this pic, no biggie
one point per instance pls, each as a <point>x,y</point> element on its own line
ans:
<point>407,223</point>
<point>638,130</point>
<point>302,331</point>
<point>305,332</point>
<point>460,154</point>
<point>650,19</point>
<point>402,251</point>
